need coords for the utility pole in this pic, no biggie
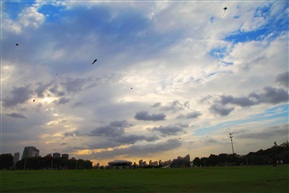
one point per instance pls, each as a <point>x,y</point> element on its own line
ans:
<point>25,164</point>
<point>231,136</point>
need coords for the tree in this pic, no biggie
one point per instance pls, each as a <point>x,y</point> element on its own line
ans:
<point>6,161</point>
<point>197,162</point>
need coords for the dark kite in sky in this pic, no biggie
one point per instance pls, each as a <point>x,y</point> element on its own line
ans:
<point>94,61</point>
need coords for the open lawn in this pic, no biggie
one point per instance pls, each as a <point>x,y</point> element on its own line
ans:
<point>211,179</point>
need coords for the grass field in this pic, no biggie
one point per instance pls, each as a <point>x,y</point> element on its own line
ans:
<point>212,179</point>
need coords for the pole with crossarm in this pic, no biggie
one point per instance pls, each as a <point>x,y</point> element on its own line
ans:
<point>231,136</point>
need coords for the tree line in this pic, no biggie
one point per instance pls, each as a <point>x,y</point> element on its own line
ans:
<point>45,163</point>
<point>271,156</point>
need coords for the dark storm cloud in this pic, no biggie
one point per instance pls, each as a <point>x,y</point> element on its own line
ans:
<point>152,138</point>
<point>283,79</point>
<point>114,133</point>
<point>56,90</point>
<point>241,101</point>
<point>167,130</point>
<point>192,115</point>
<point>145,116</point>
<point>107,131</point>
<point>113,142</point>
<point>70,85</point>
<point>154,148</point>
<point>269,95</point>
<point>74,85</point>
<point>141,150</point>
<point>277,130</point>
<point>220,110</point>
<point>122,124</point>
<point>131,139</point>
<point>16,115</point>
<point>174,106</point>
<point>116,136</point>
<point>41,88</point>
<point>114,129</point>
<point>19,95</point>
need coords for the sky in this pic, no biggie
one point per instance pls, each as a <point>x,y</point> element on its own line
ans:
<point>171,78</point>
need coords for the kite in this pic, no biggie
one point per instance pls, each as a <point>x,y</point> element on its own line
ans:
<point>225,8</point>
<point>94,61</point>
<point>17,44</point>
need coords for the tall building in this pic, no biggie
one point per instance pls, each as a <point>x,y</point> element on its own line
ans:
<point>64,155</point>
<point>30,151</point>
<point>16,158</point>
<point>56,155</point>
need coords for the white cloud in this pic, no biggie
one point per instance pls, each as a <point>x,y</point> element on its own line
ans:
<point>163,62</point>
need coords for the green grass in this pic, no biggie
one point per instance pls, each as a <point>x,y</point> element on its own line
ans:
<point>212,179</point>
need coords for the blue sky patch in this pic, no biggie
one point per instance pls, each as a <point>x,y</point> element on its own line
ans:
<point>51,12</point>
<point>227,63</point>
<point>212,19</point>
<point>276,115</point>
<point>263,11</point>
<point>14,8</point>
<point>219,52</point>
<point>271,30</point>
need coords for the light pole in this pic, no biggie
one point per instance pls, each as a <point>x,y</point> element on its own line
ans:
<point>52,164</point>
<point>231,136</point>
<point>25,164</point>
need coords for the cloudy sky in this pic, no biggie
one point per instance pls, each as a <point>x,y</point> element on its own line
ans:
<point>171,77</point>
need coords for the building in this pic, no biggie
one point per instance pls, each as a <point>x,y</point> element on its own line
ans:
<point>142,163</point>
<point>56,155</point>
<point>120,164</point>
<point>64,155</point>
<point>30,151</point>
<point>16,158</point>
<point>153,163</point>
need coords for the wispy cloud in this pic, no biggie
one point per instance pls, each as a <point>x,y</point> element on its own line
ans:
<point>16,115</point>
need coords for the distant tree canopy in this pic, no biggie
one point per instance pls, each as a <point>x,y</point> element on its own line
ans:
<point>36,163</point>
<point>6,161</point>
<point>261,157</point>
